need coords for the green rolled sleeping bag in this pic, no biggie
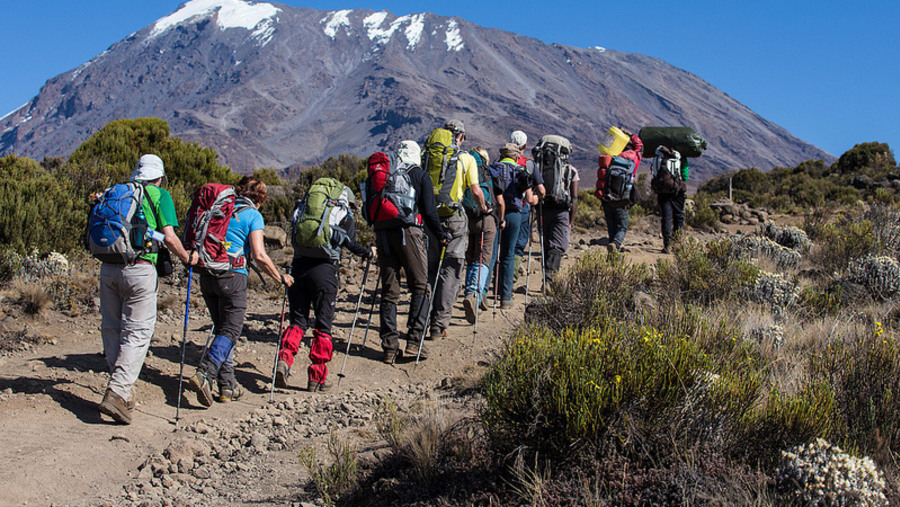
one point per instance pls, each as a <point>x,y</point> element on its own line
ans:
<point>684,139</point>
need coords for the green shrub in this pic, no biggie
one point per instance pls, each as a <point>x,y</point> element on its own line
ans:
<point>590,210</point>
<point>39,211</point>
<point>841,242</point>
<point>703,274</point>
<point>701,216</point>
<point>588,292</point>
<point>864,372</point>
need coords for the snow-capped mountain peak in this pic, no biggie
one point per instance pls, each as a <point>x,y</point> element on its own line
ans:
<point>258,17</point>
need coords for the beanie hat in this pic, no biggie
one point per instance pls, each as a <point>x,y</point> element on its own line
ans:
<point>519,139</point>
<point>149,168</point>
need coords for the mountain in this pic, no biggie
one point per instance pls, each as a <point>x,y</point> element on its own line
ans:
<point>267,85</point>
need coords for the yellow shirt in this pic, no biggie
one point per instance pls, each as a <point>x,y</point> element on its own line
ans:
<point>464,179</point>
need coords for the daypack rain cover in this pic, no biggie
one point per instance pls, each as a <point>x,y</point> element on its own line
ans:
<point>684,139</point>
<point>487,187</point>
<point>317,220</point>
<point>439,159</point>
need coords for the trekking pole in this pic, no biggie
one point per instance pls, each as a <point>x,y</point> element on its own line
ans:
<point>428,306</point>
<point>478,282</point>
<point>530,251</point>
<point>371,309</point>
<point>278,346</point>
<point>496,284</point>
<point>355,317</point>
<point>187,310</point>
<point>541,238</point>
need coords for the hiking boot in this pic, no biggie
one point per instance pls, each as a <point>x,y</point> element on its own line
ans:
<point>201,385</point>
<point>665,249</point>
<point>227,394</point>
<point>131,403</point>
<point>506,305</point>
<point>282,372</point>
<point>318,386</point>
<point>469,307</point>
<point>437,333</point>
<point>115,406</point>
<point>483,304</point>
<point>412,350</point>
<point>390,356</point>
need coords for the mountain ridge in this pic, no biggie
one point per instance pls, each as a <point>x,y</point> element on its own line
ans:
<point>300,85</point>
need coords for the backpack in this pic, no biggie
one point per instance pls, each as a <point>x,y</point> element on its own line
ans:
<point>666,175</point>
<point>390,194</point>
<point>551,156</point>
<point>484,181</point>
<point>207,221</point>
<point>117,230</point>
<point>440,159</point>
<point>619,180</point>
<point>514,180</point>
<point>316,226</point>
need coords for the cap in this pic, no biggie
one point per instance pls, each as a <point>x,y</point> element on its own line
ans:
<point>518,138</point>
<point>510,150</point>
<point>456,126</point>
<point>149,168</point>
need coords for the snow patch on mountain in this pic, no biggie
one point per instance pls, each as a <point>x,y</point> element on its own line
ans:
<point>454,39</point>
<point>373,27</point>
<point>335,20</point>
<point>414,30</point>
<point>260,18</point>
<point>600,49</point>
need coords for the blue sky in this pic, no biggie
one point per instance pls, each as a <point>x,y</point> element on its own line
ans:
<point>827,71</point>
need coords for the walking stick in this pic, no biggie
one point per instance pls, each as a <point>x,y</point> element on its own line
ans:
<point>278,347</point>
<point>428,306</point>
<point>187,309</point>
<point>543,261</point>
<point>355,317</point>
<point>478,281</point>
<point>528,264</point>
<point>371,309</point>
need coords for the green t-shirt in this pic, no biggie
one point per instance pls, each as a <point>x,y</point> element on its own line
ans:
<point>159,211</point>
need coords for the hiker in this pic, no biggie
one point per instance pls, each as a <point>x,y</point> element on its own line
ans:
<point>483,235</point>
<point>399,203</point>
<point>520,139</point>
<point>551,157</point>
<point>445,145</point>
<point>226,293</point>
<point>516,185</point>
<point>669,180</point>
<point>616,189</point>
<point>317,258</point>
<point>128,286</point>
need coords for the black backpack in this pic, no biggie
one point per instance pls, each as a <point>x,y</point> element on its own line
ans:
<point>551,155</point>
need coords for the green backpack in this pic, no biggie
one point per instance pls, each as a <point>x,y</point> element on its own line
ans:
<point>316,230</point>
<point>440,158</point>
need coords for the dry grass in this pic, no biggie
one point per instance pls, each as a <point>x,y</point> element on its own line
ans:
<point>32,298</point>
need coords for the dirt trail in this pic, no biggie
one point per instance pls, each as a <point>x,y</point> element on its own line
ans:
<point>57,450</point>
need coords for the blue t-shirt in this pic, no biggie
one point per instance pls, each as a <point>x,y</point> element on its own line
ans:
<point>239,229</point>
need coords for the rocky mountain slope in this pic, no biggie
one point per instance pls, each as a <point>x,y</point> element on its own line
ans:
<point>267,85</point>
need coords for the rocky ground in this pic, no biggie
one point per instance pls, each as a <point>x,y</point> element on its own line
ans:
<point>56,449</point>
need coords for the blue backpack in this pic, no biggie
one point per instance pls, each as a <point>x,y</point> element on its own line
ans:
<point>619,180</point>
<point>484,181</point>
<point>117,230</point>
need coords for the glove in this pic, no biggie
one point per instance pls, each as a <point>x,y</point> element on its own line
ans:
<point>446,238</point>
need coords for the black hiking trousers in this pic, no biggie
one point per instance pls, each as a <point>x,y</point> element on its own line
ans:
<point>671,209</point>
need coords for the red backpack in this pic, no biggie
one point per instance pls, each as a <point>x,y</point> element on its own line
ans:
<point>391,197</point>
<point>207,222</point>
